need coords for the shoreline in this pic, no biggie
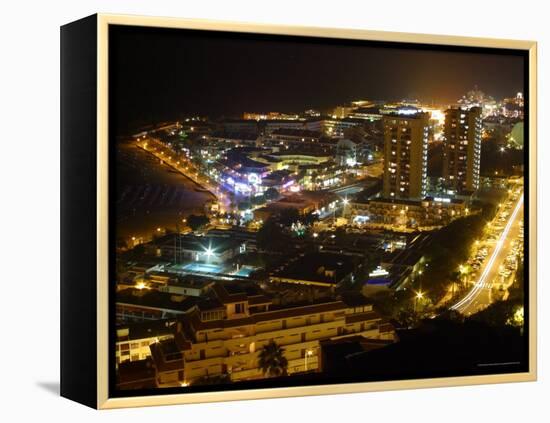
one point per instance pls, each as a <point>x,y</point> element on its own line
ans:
<point>140,218</point>
<point>206,190</point>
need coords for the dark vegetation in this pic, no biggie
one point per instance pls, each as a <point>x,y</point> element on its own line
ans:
<point>449,248</point>
<point>505,162</point>
<point>197,221</point>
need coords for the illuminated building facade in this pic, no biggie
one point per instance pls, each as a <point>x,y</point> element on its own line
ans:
<point>462,149</point>
<point>273,124</point>
<point>269,116</point>
<point>341,112</point>
<point>405,154</point>
<point>332,127</point>
<point>191,248</point>
<point>513,107</point>
<point>346,153</point>
<point>477,98</point>
<point>226,337</point>
<point>132,341</point>
<point>366,113</point>
<point>285,135</point>
<point>429,212</point>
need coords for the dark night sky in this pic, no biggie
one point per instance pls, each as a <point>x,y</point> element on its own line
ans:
<point>160,74</point>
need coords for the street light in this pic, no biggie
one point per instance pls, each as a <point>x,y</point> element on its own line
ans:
<point>209,252</point>
<point>419,295</point>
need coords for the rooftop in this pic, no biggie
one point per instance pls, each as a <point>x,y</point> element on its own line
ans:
<point>306,133</point>
<point>405,113</point>
<point>263,316</point>
<point>300,152</point>
<point>184,281</point>
<point>148,329</point>
<point>196,243</point>
<point>328,268</point>
<point>155,300</point>
<point>237,292</point>
<point>367,110</point>
<point>406,202</point>
<point>243,136</point>
<point>355,299</point>
<point>167,355</point>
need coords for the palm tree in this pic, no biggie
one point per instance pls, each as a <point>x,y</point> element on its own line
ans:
<point>272,360</point>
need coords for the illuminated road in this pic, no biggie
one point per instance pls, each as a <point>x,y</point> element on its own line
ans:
<point>480,296</point>
<point>186,169</point>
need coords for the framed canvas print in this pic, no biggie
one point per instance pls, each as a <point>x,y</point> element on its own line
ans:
<point>254,211</point>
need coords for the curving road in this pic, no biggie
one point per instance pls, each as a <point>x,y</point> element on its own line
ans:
<point>479,296</point>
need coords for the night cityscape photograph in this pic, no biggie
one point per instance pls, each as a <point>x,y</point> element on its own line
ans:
<point>295,211</point>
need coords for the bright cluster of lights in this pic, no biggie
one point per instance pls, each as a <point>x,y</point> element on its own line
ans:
<point>378,272</point>
<point>481,282</point>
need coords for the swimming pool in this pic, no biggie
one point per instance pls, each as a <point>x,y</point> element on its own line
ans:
<point>244,271</point>
<point>202,268</point>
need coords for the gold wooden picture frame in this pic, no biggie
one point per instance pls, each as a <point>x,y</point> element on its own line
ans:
<point>93,298</point>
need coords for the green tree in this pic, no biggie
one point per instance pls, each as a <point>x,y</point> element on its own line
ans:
<point>373,189</point>
<point>340,236</point>
<point>498,314</point>
<point>244,205</point>
<point>258,200</point>
<point>197,221</point>
<point>450,247</point>
<point>289,216</point>
<point>272,237</point>
<point>356,134</point>
<point>309,219</point>
<point>271,194</point>
<point>406,318</point>
<point>517,289</point>
<point>456,280</point>
<point>272,361</point>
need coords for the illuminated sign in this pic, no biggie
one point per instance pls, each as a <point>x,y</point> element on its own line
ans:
<point>361,219</point>
<point>254,179</point>
<point>378,272</point>
<point>407,111</point>
<point>240,187</point>
<point>442,200</point>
